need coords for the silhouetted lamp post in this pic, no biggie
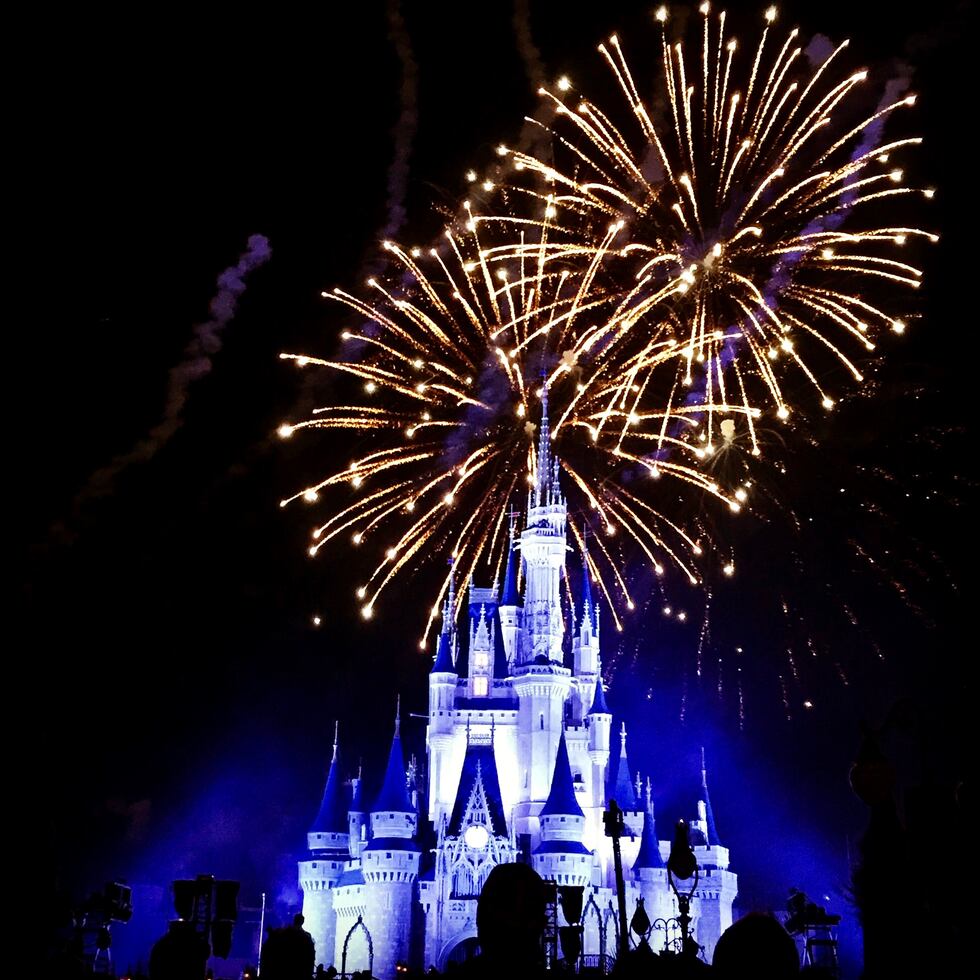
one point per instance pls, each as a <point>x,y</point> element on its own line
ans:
<point>682,865</point>
<point>615,826</point>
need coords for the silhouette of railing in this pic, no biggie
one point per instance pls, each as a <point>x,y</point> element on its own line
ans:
<point>596,964</point>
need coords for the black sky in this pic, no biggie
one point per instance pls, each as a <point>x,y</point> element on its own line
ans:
<point>167,641</point>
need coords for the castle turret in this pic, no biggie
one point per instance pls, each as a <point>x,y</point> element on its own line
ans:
<point>442,694</point>
<point>717,886</point>
<point>650,868</point>
<point>357,817</point>
<point>599,721</point>
<point>481,652</point>
<point>585,643</point>
<point>510,612</point>
<point>705,813</point>
<point>561,856</point>
<point>543,554</point>
<point>622,791</point>
<point>390,865</point>
<point>328,842</point>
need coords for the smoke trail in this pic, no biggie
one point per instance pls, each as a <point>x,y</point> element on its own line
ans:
<point>408,118</point>
<point>197,362</point>
<point>526,47</point>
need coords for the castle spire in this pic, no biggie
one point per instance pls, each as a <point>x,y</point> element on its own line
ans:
<point>599,706</point>
<point>331,818</point>
<point>712,831</point>
<point>449,606</point>
<point>622,790</point>
<point>649,855</point>
<point>394,792</point>
<point>509,597</point>
<point>561,800</point>
<point>587,605</point>
<point>542,481</point>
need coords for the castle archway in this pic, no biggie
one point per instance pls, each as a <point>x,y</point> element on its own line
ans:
<point>459,949</point>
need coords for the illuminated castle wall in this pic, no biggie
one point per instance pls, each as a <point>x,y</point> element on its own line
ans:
<point>520,767</point>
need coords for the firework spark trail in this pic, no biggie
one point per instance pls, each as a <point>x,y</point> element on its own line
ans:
<point>667,287</point>
<point>197,363</point>
<point>453,340</point>
<point>738,270</point>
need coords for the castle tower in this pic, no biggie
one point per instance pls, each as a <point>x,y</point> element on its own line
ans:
<point>357,817</point>
<point>390,865</point>
<point>621,790</point>
<point>585,643</point>
<point>540,682</point>
<point>650,868</point>
<point>599,721</point>
<point>442,693</point>
<point>328,843</point>
<point>717,886</point>
<point>511,615</point>
<point>543,553</point>
<point>481,653</point>
<point>561,856</point>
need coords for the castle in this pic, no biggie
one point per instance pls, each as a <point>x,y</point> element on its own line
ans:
<point>522,762</point>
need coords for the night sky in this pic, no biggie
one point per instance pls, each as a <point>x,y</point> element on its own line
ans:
<point>183,704</point>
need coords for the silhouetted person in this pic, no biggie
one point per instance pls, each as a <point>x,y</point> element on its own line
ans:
<point>510,920</point>
<point>289,953</point>
<point>756,946</point>
<point>179,955</point>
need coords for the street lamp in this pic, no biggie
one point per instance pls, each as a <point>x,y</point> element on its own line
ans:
<point>682,865</point>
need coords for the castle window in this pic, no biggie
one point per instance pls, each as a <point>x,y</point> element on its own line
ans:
<point>541,717</point>
<point>480,687</point>
<point>481,660</point>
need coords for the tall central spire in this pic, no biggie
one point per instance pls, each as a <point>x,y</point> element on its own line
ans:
<point>542,483</point>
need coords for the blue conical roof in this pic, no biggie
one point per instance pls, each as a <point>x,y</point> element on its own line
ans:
<point>509,596</point>
<point>561,800</point>
<point>444,655</point>
<point>357,795</point>
<point>709,814</point>
<point>480,764</point>
<point>649,856</point>
<point>332,815</point>
<point>599,706</point>
<point>500,670</point>
<point>394,792</point>
<point>621,790</point>
<point>588,606</point>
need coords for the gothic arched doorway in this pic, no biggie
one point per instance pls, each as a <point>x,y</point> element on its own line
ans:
<point>462,951</point>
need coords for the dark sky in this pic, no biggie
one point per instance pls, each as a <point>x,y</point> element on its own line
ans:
<point>183,703</point>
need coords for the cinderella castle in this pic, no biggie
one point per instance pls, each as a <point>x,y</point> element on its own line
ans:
<point>522,762</point>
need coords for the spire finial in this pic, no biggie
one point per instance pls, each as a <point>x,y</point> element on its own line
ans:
<point>649,794</point>
<point>587,604</point>
<point>449,606</point>
<point>542,483</point>
<point>639,784</point>
<point>622,740</point>
<point>704,768</point>
<point>398,715</point>
<point>336,738</point>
